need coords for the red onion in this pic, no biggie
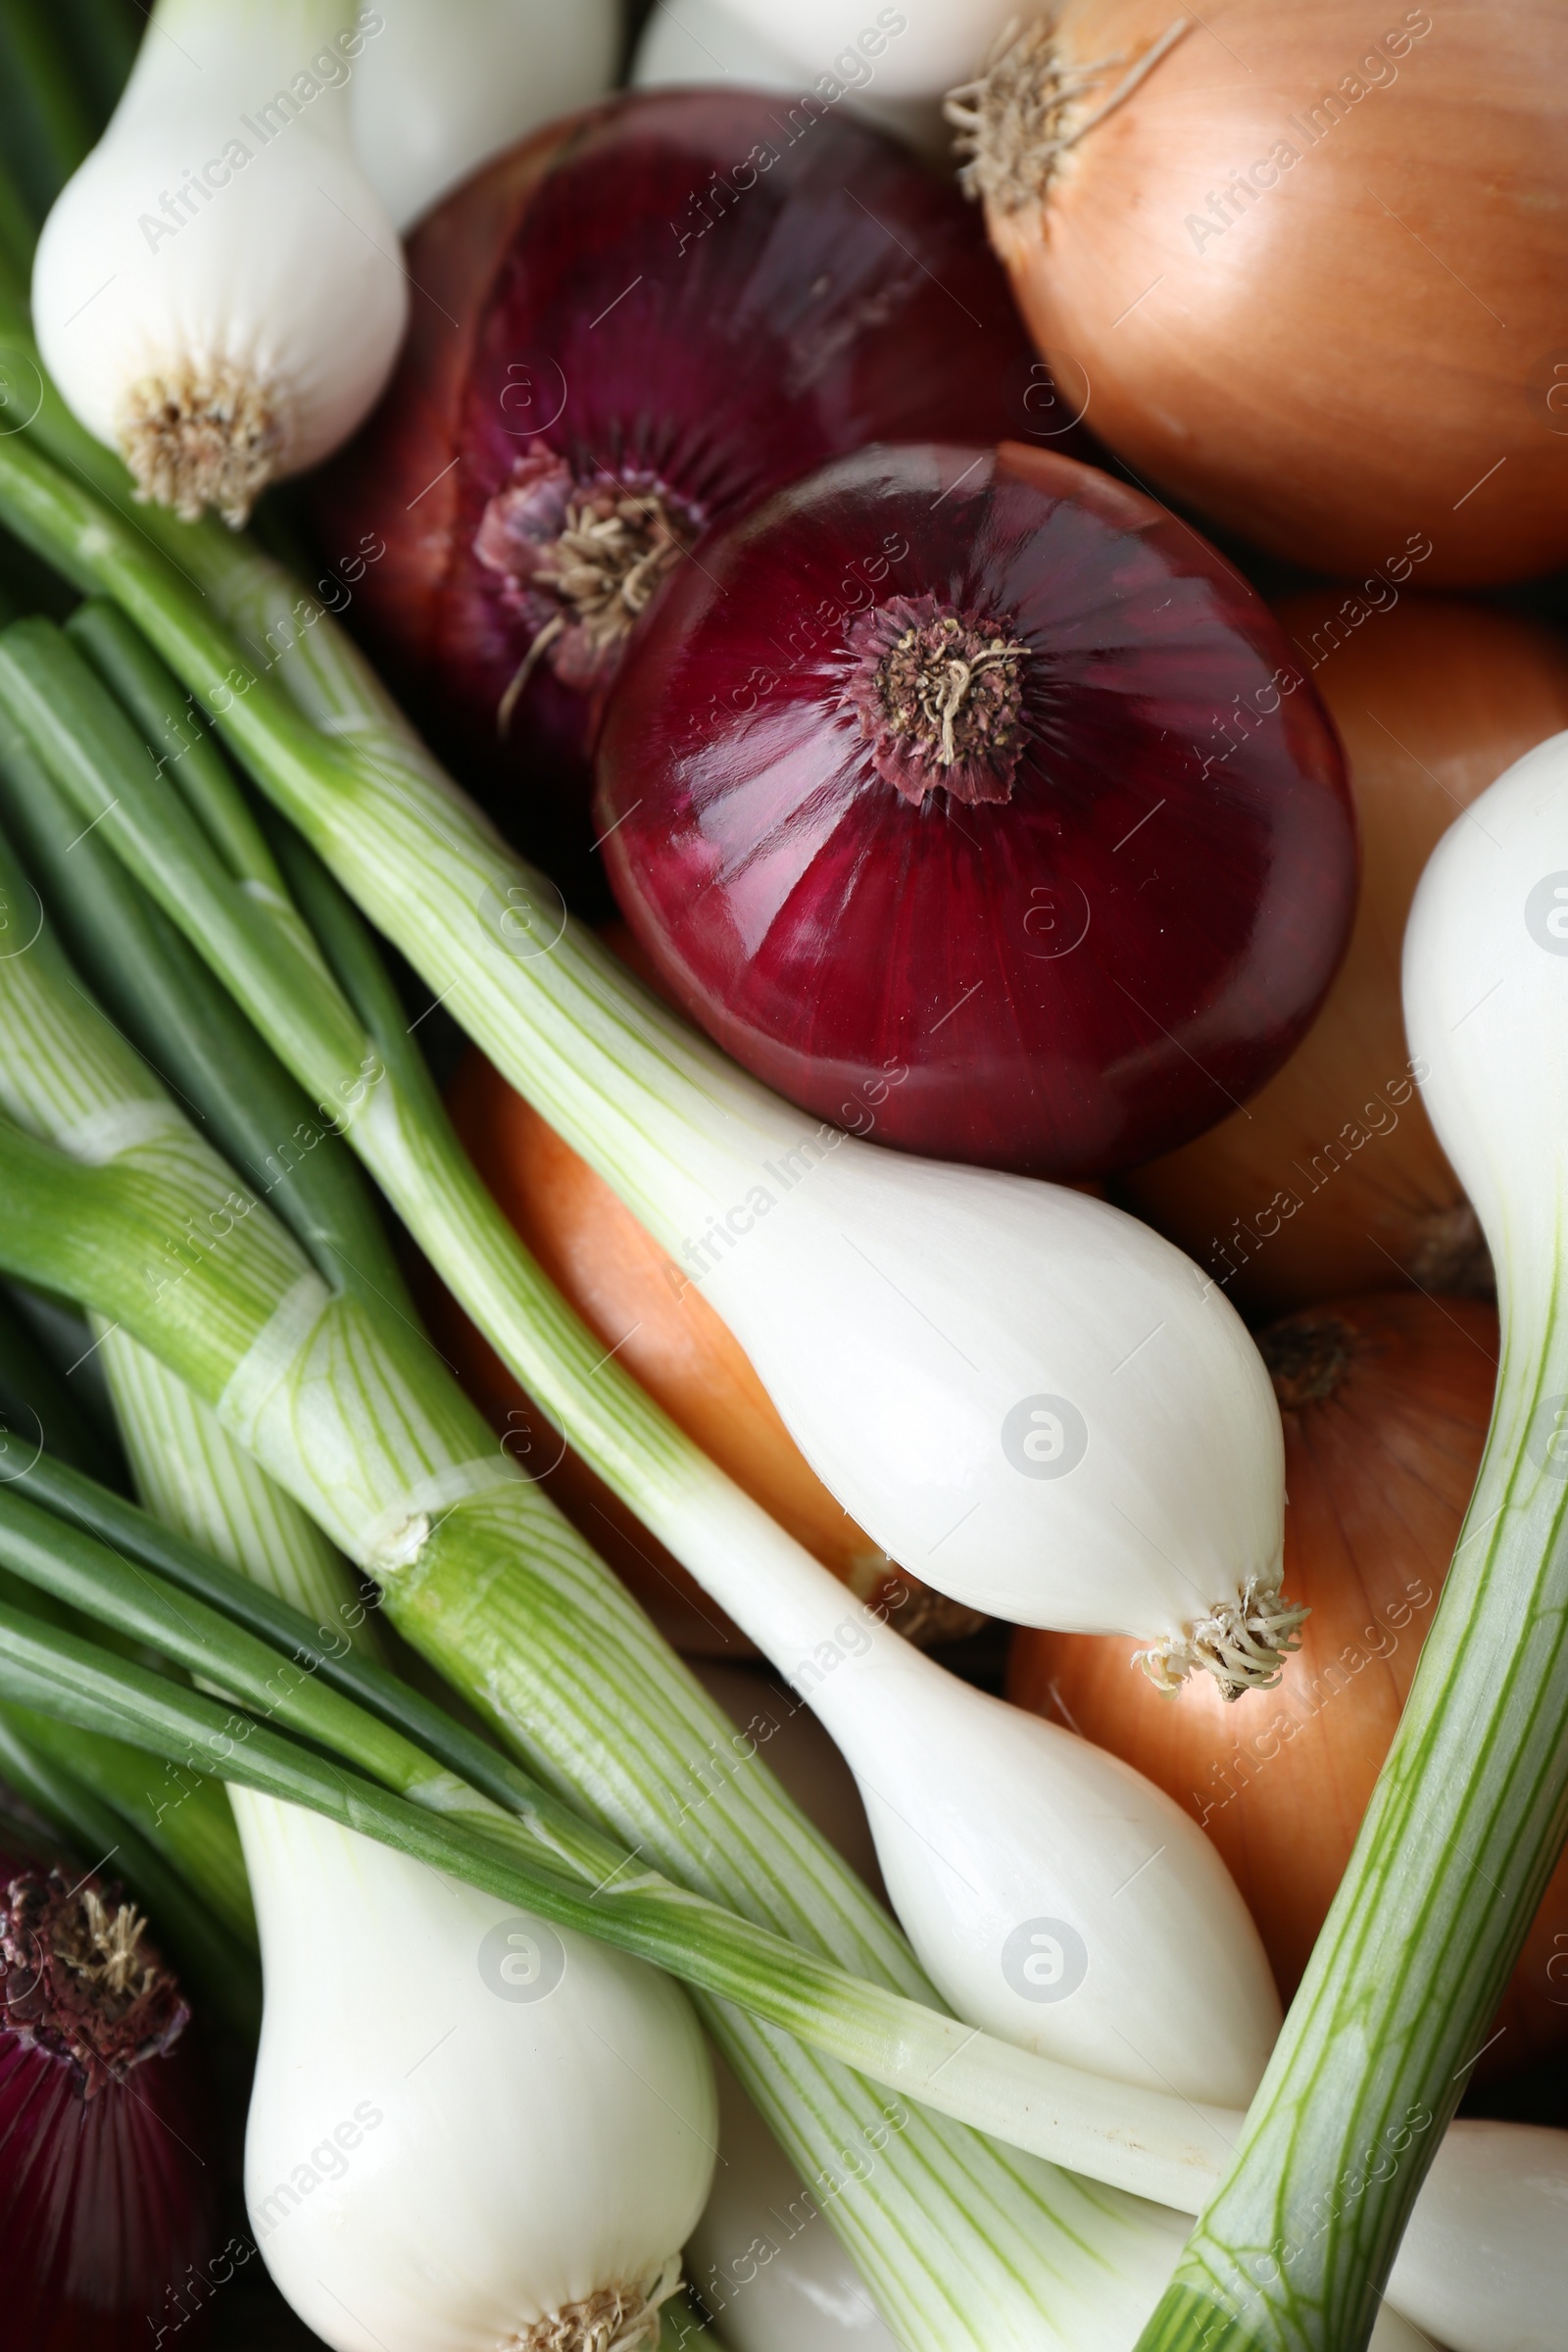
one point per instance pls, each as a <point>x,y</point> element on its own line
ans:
<point>108,2170</point>
<point>984,769</point>
<point>625,331</point>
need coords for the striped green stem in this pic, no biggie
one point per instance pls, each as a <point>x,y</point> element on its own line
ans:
<point>203,1044</point>
<point>185,1819</point>
<point>83,752</point>
<point>79,1783</point>
<point>1461,1834</point>
<point>1154,2143</point>
<point>961,2241</point>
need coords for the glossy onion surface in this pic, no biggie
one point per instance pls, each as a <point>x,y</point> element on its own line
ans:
<point>1113,916</point>
<point>1309,277</point>
<point>687,297</point>
<point>1386,1400</point>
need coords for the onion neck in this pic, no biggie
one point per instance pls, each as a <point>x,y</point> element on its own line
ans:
<point>200,434</point>
<point>939,695</point>
<point>580,561</point>
<point>79,1978</point>
<point>1027,109</point>
<point>1308,1358</point>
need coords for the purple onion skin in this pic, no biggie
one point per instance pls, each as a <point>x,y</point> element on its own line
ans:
<point>1076,978</point>
<point>571,295</point>
<point>108,2176</point>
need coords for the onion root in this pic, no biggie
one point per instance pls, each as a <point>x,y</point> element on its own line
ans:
<point>1010,119</point>
<point>615,2319</point>
<point>201,436</point>
<point>1243,1647</point>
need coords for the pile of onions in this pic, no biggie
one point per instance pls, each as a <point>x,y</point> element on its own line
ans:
<point>1310,262</point>
<point>974,804</point>
<point>1385,1401</point>
<point>668,1338</point>
<point>108,2167</point>
<point>1332,1179</point>
<point>625,331</point>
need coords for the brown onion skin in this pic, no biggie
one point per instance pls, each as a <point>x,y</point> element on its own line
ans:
<point>1334,374</point>
<point>1433,700</point>
<point>847,294</point>
<point>1379,1473</point>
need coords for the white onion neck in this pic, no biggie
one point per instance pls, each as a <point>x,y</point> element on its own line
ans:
<point>214,57</point>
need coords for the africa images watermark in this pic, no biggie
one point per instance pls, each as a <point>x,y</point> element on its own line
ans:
<point>328,69</point>
<point>1379,1117</point>
<point>327,2160</point>
<point>1245,188</point>
<point>721,1233</point>
<point>853,70</point>
<point>1231,1778</point>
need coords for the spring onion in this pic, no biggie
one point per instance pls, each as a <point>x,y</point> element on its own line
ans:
<point>986,1819</point>
<point>879,1296</point>
<point>1468,1816</point>
<point>440,88</point>
<point>1148,2140</point>
<point>571,2147</point>
<point>509,1603</point>
<point>293,765</point>
<point>217,290</point>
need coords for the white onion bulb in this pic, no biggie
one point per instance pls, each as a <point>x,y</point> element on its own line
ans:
<point>468,2130</point>
<point>1046,1411</point>
<point>920,48</point>
<point>217,293</point>
<point>451,82</point>
<point>709,41</point>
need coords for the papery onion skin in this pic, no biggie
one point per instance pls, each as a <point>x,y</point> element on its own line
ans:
<point>579,296</point>
<point>1105,941</point>
<point>108,2160</point>
<point>1366,354</point>
<point>1386,1401</point>
<point>1333,1181</point>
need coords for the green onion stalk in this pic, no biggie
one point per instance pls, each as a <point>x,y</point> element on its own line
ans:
<point>188,838</point>
<point>92,1792</point>
<point>113,1198</point>
<point>47,121</point>
<point>180,1819</point>
<point>319,735</point>
<point>286,1669</point>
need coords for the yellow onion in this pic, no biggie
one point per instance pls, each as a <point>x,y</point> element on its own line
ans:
<point>1385,1403</point>
<point>1307,267</point>
<point>1331,1180</point>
